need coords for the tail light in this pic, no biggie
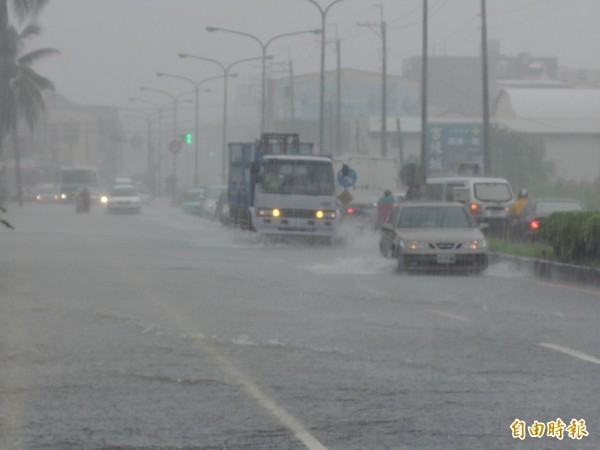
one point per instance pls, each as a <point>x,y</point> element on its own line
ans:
<point>534,225</point>
<point>350,210</point>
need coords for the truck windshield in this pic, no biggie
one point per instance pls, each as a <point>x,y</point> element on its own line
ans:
<point>298,177</point>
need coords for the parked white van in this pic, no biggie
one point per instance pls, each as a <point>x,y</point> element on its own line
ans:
<point>487,198</point>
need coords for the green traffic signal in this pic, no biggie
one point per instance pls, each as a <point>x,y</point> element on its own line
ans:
<point>188,138</point>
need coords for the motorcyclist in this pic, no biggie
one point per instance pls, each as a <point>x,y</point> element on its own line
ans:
<point>384,207</point>
<point>515,210</point>
<point>83,200</point>
<point>514,214</point>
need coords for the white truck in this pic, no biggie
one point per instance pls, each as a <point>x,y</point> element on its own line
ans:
<point>277,186</point>
<point>374,175</point>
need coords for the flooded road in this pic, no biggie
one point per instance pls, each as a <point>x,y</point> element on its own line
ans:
<point>162,330</point>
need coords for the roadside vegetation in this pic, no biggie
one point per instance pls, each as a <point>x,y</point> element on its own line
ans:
<point>570,237</point>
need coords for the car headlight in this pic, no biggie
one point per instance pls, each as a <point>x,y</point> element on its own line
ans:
<point>476,244</point>
<point>104,199</point>
<point>413,245</point>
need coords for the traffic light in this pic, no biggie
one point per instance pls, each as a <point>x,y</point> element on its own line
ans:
<point>189,138</point>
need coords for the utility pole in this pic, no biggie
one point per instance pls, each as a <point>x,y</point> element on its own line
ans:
<point>382,35</point>
<point>338,101</point>
<point>487,166</point>
<point>424,162</point>
<point>292,106</point>
<point>338,109</point>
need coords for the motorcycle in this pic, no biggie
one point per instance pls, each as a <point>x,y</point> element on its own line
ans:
<point>82,203</point>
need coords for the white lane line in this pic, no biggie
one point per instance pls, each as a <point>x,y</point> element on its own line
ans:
<point>265,401</point>
<point>448,315</point>
<point>141,280</point>
<point>373,291</point>
<point>569,351</point>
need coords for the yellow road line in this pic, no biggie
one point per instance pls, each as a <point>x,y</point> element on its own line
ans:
<point>569,351</point>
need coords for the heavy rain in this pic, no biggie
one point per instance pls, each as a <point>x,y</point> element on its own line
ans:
<point>287,224</point>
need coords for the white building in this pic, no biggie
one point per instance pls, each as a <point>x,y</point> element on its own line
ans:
<point>568,120</point>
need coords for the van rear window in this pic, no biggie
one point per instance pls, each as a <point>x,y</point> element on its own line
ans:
<point>492,192</point>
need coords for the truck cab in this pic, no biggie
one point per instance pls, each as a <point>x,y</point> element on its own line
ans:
<point>277,186</point>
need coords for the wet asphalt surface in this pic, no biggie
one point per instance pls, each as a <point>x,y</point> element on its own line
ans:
<point>162,330</point>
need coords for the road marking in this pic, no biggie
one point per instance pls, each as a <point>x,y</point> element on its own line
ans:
<point>249,386</point>
<point>569,351</point>
<point>265,401</point>
<point>448,315</point>
<point>574,288</point>
<point>373,291</point>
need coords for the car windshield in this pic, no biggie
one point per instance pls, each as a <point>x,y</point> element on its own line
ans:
<point>493,192</point>
<point>434,217</point>
<point>298,177</point>
<point>545,208</point>
<point>123,191</point>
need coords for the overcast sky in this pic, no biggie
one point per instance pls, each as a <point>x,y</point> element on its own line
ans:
<point>109,48</point>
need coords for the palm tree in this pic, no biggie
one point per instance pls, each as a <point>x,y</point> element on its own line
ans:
<point>23,9</point>
<point>23,88</point>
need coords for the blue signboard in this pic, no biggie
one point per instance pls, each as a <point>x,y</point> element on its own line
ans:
<point>451,145</point>
<point>347,180</point>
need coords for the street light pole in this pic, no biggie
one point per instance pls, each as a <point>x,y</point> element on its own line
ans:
<point>263,46</point>
<point>226,75</point>
<point>322,76</point>
<point>146,117</point>
<point>159,108</point>
<point>196,89</point>
<point>160,91</point>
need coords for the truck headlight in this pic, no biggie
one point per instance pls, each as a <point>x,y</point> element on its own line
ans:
<point>268,212</point>
<point>320,214</point>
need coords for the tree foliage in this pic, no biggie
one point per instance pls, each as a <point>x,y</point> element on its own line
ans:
<point>519,158</point>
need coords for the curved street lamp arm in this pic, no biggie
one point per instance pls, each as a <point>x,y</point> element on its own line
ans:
<point>321,10</point>
<point>215,61</point>
<point>170,75</point>
<point>241,33</point>
<point>315,31</point>
<point>256,58</point>
<point>160,91</point>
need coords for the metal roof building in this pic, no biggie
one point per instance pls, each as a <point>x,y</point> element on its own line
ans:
<point>567,119</point>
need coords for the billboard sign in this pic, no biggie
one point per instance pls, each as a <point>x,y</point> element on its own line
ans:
<point>451,145</point>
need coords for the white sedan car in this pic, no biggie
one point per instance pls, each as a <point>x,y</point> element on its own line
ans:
<point>123,198</point>
<point>434,236</point>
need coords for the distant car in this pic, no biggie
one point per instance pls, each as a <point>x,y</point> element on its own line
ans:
<point>192,201</point>
<point>46,193</point>
<point>529,224</point>
<point>434,236</point>
<point>123,198</point>
<point>211,199</point>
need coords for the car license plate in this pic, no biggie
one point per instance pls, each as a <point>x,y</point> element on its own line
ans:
<point>446,259</point>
